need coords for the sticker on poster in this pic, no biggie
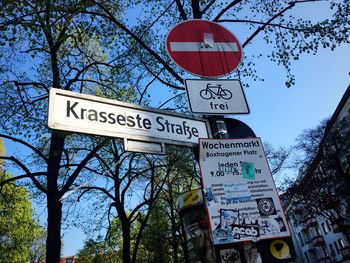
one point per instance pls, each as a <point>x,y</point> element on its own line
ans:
<point>266,206</point>
<point>233,226</point>
<point>248,170</point>
<point>210,197</point>
<point>230,255</point>
<point>251,253</point>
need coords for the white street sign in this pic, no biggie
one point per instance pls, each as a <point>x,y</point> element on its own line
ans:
<point>241,197</point>
<point>216,97</point>
<point>76,112</point>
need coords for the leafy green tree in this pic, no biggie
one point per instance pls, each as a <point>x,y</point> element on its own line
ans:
<point>110,248</point>
<point>164,237</point>
<point>98,251</point>
<point>156,238</point>
<point>38,247</point>
<point>49,44</point>
<point>17,225</point>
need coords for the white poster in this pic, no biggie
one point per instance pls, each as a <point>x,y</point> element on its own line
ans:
<point>241,197</point>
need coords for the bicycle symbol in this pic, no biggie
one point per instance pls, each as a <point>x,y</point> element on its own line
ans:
<point>213,90</point>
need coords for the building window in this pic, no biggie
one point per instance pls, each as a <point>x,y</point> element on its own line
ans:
<point>325,228</point>
<point>331,248</point>
<point>311,233</point>
<point>341,243</point>
<point>325,251</point>
<point>321,253</point>
<point>329,225</point>
<point>318,231</point>
<point>336,247</point>
<point>300,239</point>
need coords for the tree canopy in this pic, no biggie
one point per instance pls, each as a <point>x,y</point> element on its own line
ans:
<point>322,186</point>
<point>18,228</point>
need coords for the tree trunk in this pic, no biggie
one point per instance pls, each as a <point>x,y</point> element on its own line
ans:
<point>53,241</point>
<point>174,242</point>
<point>54,205</point>
<point>126,243</point>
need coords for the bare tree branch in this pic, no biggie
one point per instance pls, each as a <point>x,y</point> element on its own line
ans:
<point>161,80</point>
<point>37,151</point>
<point>205,9</point>
<point>82,164</point>
<point>112,18</point>
<point>32,83</point>
<point>290,6</point>
<point>100,189</point>
<point>181,10</point>
<point>233,3</point>
<point>178,95</point>
<point>27,175</point>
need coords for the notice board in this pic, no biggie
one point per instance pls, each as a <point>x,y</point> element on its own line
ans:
<point>240,195</point>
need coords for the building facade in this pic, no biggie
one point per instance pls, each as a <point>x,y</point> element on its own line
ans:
<point>317,237</point>
<point>317,240</point>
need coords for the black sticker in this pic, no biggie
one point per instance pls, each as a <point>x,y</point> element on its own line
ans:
<point>266,206</point>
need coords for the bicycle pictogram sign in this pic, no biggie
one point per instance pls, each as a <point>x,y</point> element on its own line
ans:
<point>213,91</point>
<point>216,97</point>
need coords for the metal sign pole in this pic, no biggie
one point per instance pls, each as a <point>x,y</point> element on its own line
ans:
<point>219,130</point>
<point>218,127</point>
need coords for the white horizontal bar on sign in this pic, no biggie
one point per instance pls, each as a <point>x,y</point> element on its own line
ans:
<point>144,147</point>
<point>200,46</point>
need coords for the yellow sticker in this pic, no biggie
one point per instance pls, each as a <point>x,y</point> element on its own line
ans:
<point>280,249</point>
<point>191,197</point>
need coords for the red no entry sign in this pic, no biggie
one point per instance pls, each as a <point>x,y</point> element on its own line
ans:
<point>204,48</point>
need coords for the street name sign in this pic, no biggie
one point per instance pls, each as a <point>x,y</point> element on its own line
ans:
<point>204,48</point>
<point>76,112</point>
<point>216,97</point>
<point>241,197</point>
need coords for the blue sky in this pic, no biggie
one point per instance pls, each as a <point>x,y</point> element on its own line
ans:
<point>278,114</point>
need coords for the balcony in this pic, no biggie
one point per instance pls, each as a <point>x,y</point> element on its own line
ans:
<point>318,241</point>
<point>311,222</point>
<point>345,252</point>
